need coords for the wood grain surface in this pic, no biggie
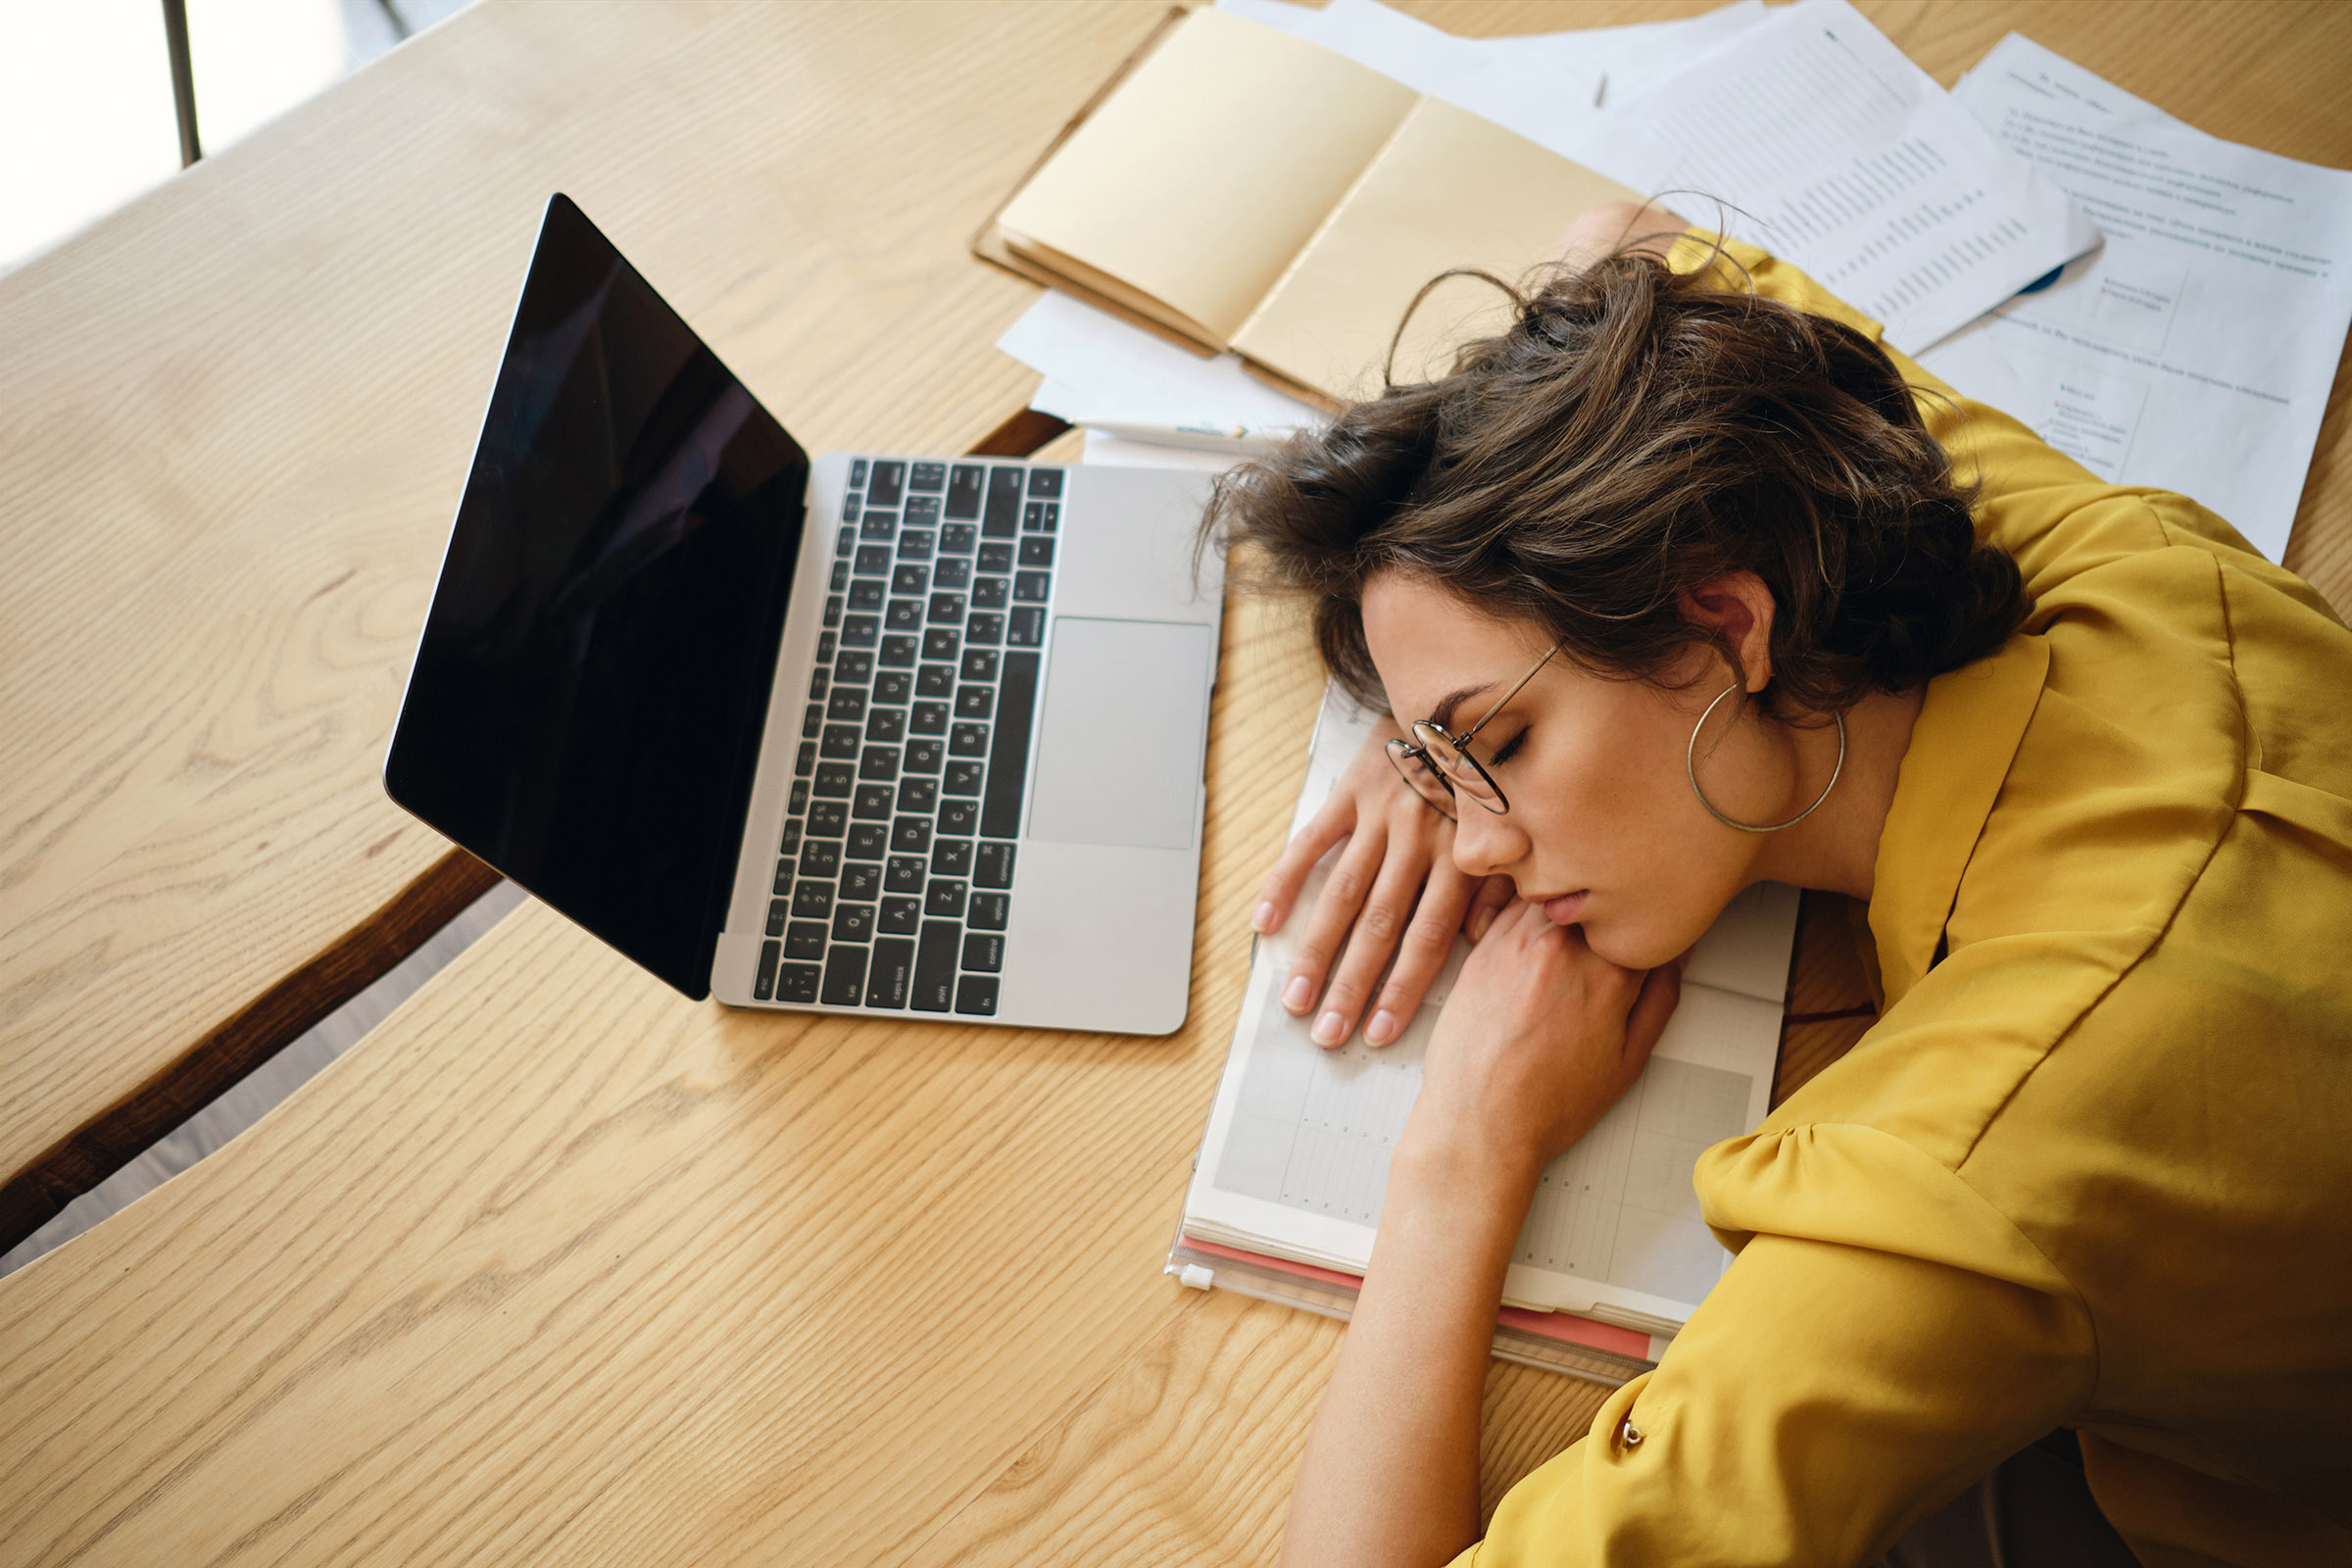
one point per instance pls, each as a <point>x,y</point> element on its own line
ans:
<point>238,413</point>
<point>556,1267</point>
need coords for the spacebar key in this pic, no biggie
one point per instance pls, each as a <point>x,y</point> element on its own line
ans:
<point>1009,748</point>
<point>934,966</point>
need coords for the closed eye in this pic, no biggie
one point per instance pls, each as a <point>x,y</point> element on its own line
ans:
<point>1508,749</point>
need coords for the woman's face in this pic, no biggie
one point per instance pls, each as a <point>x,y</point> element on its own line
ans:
<point>1602,830</point>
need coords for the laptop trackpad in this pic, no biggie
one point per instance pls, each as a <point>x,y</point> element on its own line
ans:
<point>1118,756</point>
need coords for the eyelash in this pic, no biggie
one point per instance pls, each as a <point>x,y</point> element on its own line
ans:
<point>1508,749</point>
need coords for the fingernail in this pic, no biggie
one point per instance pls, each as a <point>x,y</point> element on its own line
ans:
<point>1383,1027</point>
<point>1297,993</point>
<point>1479,924</point>
<point>1264,919</point>
<point>1330,1029</point>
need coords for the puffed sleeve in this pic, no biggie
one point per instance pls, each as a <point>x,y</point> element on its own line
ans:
<point>1891,1341</point>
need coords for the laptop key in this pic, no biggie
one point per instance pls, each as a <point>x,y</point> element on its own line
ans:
<point>841,740</point>
<point>976,996</point>
<point>995,557</point>
<point>876,526</point>
<point>820,859</point>
<point>886,724</point>
<point>904,873</point>
<point>917,796</point>
<point>784,870</point>
<point>952,858</point>
<point>935,967</point>
<point>924,756</point>
<point>911,580</point>
<point>952,574</point>
<point>884,489</point>
<point>993,866</point>
<point>930,719</point>
<point>910,835</point>
<point>983,952</point>
<point>820,683</point>
<point>879,763</point>
<point>1044,483</point>
<point>1016,697</point>
<point>891,687</point>
<point>791,839</point>
<point>964,481</point>
<point>927,476</point>
<point>899,917</point>
<point>874,561</point>
<point>775,916</point>
<point>979,664</point>
<point>922,511</point>
<point>827,819</point>
<point>833,610</point>
<point>804,939</point>
<point>976,702</point>
<point>945,610</point>
<point>847,705</point>
<point>935,680</point>
<point>865,593</point>
<point>805,764</point>
<point>860,631</point>
<point>1001,518</point>
<point>963,778</point>
<point>985,626</point>
<point>813,722</point>
<point>943,642</point>
<point>865,841</point>
<point>959,539</point>
<point>968,740</point>
<point>1033,516</point>
<point>1036,552</point>
<point>873,804</point>
<point>1028,628</point>
<point>826,641</point>
<point>813,900</point>
<point>858,467</point>
<point>986,911</point>
<point>852,922</point>
<point>991,593</point>
<point>841,573</point>
<point>844,977</point>
<point>854,669</point>
<point>833,780</point>
<point>943,899</point>
<point>861,883</point>
<point>960,818</point>
<point>898,651</point>
<point>764,984</point>
<point>916,544</point>
<point>904,615</point>
<point>890,973</point>
<point>796,982</point>
<point>1029,587</point>
<point>800,797</point>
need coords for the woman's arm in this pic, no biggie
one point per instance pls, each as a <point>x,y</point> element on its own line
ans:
<point>1539,1039</point>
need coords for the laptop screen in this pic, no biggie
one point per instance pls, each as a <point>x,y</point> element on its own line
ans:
<point>588,697</point>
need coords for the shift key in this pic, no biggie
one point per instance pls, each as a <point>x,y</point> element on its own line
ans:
<point>934,966</point>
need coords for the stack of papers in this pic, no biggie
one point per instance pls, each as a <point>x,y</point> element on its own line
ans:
<point>2166,307</point>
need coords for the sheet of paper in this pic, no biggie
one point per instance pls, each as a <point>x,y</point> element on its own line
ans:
<point>1296,1160</point>
<point>1101,370</point>
<point>2194,352</point>
<point>1838,153</point>
<point>1550,87</point>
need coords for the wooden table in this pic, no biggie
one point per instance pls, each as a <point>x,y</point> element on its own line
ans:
<point>556,1267</point>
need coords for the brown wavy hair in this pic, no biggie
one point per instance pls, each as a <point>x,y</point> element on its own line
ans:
<point>1633,435</point>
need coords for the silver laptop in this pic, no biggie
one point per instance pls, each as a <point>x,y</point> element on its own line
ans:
<point>915,736</point>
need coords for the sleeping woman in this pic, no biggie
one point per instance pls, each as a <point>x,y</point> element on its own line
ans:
<point>1682,582</point>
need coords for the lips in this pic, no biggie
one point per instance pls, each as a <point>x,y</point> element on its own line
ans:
<point>1566,910</point>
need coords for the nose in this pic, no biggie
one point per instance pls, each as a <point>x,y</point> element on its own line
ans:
<point>1485,844</point>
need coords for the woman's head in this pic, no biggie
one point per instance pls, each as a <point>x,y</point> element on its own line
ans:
<point>1680,487</point>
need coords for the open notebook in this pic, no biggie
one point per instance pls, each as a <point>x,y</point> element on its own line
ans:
<point>1243,188</point>
<point>1294,1162</point>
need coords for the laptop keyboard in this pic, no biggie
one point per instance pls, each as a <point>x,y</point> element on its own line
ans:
<point>894,880</point>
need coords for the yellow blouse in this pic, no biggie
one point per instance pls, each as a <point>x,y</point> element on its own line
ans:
<point>2092,1167</point>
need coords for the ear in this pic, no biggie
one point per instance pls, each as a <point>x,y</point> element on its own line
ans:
<point>1739,606</point>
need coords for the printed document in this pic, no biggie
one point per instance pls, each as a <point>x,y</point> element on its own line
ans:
<point>2194,352</point>
<point>1840,154</point>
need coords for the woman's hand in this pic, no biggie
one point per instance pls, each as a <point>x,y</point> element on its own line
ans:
<point>1395,892</point>
<point>1539,1038</point>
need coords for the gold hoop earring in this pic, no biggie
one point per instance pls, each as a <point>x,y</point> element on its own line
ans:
<point>1690,766</point>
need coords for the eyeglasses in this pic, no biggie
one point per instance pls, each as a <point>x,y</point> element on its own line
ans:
<point>1437,763</point>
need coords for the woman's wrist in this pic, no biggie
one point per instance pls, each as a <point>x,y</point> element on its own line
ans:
<point>1474,1182</point>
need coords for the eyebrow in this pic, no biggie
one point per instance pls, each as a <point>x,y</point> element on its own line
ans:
<point>1442,715</point>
